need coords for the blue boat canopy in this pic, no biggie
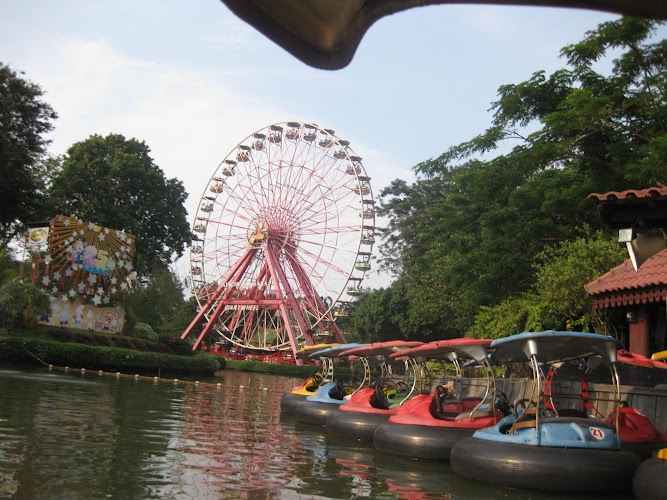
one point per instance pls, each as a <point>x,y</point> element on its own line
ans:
<point>307,350</point>
<point>552,347</point>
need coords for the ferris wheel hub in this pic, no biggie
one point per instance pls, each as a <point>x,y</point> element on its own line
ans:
<point>258,232</point>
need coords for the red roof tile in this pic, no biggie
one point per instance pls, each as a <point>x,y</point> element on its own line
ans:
<point>630,194</point>
<point>623,285</point>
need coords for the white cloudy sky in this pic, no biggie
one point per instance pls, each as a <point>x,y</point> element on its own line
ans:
<point>192,80</point>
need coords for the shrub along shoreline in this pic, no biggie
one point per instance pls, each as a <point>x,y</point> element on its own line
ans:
<point>43,346</point>
<point>304,371</point>
<point>34,351</point>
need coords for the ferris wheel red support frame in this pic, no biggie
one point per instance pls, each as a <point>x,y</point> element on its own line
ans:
<point>284,302</point>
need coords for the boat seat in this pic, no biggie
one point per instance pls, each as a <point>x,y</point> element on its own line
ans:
<point>526,420</point>
<point>525,424</point>
<point>446,415</point>
<point>481,412</point>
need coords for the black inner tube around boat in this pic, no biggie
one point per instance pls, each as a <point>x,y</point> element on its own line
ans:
<point>567,470</point>
<point>649,480</point>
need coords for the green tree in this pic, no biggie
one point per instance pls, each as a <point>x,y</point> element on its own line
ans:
<point>158,302</point>
<point>181,317</point>
<point>607,126</point>
<point>24,120</point>
<point>369,319</point>
<point>557,300</point>
<point>395,313</point>
<point>20,301</point>
<point>113,181</point>
<point>464,236</point>
<point>9,267</point>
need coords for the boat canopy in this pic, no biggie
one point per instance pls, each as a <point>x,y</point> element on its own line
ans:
<point>632,358</point>
<point>306,351</point>
<point>552,347</point>
<point>465,348</point>
<point>382,348</point>
<point>334,351</point>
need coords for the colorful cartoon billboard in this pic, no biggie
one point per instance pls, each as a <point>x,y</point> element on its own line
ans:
<point>87,262</point>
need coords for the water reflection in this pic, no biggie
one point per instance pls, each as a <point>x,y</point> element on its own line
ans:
<point>90,436</point>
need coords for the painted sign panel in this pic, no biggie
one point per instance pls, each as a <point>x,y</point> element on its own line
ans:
<point>87,260</point>
<point>38,236</point>
<point>77,314</point>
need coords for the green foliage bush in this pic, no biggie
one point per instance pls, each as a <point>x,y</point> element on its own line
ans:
<point>145,332</point>
<point>177,345</point>
<point>75,355</point>
<point>83,338</point>
<point>102,340</point>
<point>222,362</point>
<point>558,299</point>
<point>62,335</point>
<point>19,301</point>
<point>304,371</point>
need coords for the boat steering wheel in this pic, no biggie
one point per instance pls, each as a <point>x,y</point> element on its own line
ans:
<point>402,388</point>
<point>503,404</point>
<point>340,389</point>
<point>440,396</point>
<point>381,397</point>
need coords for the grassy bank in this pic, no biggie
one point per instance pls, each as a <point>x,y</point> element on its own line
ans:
<point>304,371</point>
<point>44,345</point>
<point>40,346</point>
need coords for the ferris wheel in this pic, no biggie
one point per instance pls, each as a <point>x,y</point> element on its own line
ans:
<point>284,233</point>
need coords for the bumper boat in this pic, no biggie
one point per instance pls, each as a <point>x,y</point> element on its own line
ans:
<point>372,406</point>
<point>636,431</point>
<point>660,357</point>
<point>330,395</point>
<point>650,480</point>
<point>428,425</point>
<point>298,394</point>
<point>542,447</point>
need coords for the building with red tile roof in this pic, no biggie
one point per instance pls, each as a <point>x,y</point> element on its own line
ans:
<point>634,208</point>
<point>638,286</point>
<point>623,286</point>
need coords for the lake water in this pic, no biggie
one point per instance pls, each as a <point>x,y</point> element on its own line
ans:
<point>91,436</point>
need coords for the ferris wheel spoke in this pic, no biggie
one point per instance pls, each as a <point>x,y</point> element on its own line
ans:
<point>316,262</point>
<point>330,209</point>
<point>329,246</point>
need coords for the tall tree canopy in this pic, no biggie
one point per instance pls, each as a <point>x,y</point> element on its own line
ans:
<point>24,120</point>
<point>466,233</point>
<point>113,181</point>
<point>557,300</point>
